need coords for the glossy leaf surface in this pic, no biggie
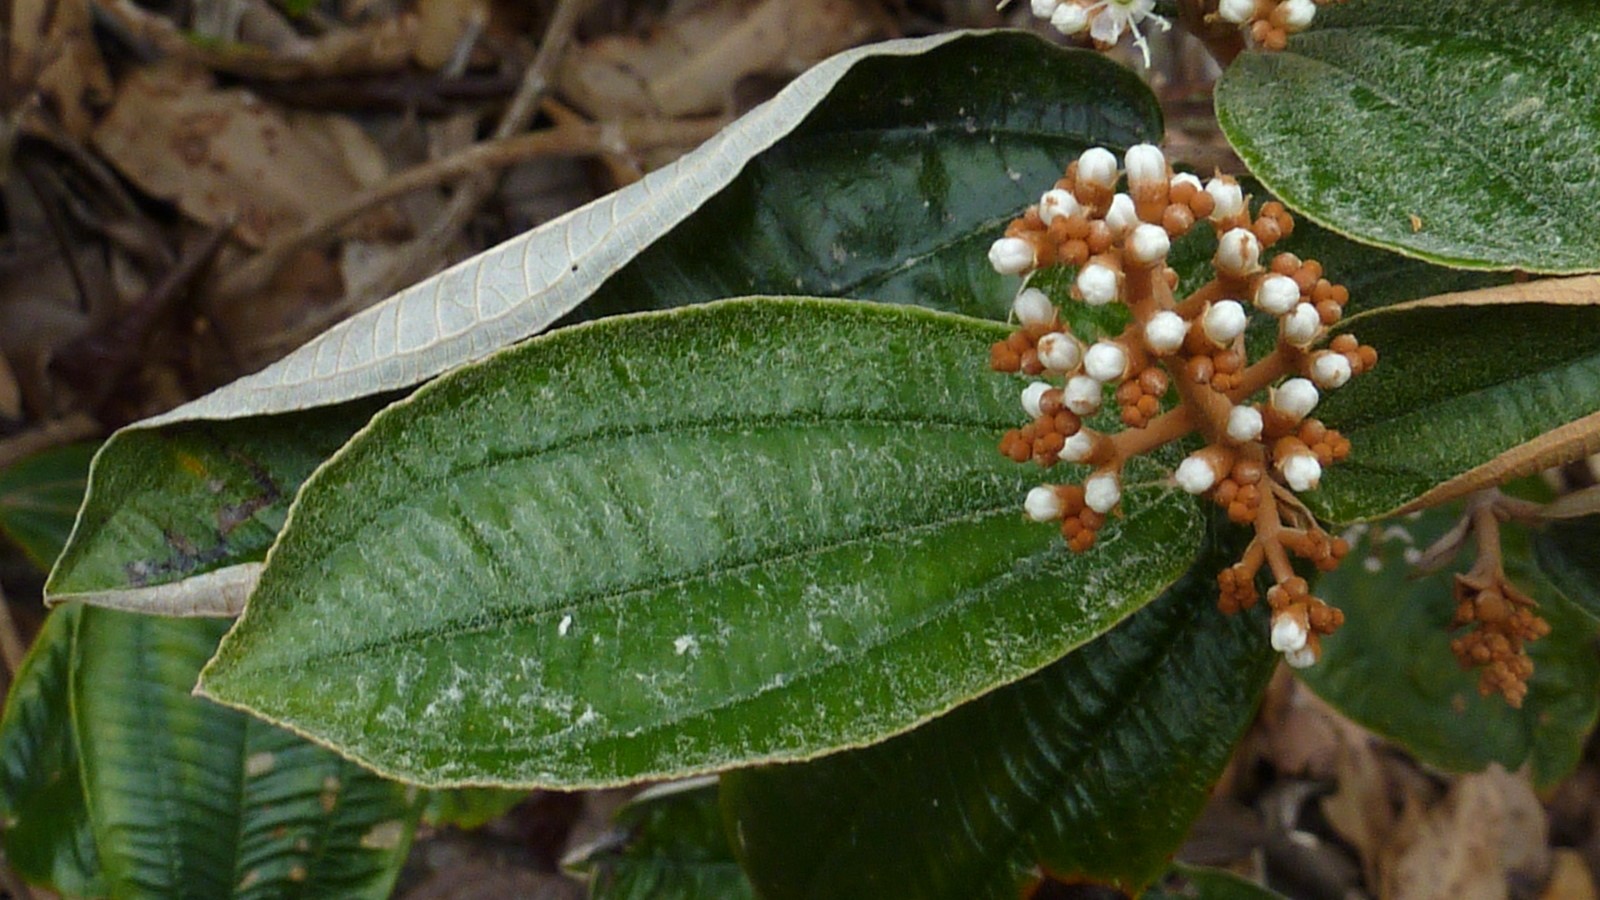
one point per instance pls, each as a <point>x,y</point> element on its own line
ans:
<point>39,498</point>
<point>1568,553</point>
<point>677,542</point>
<point>1091,769</point>
<point>667,844</point>
<point>1390,666</point>
<point>1455,388</point>
<point>1480,118</point>
<point>189,799</point>
<point>895,179</point>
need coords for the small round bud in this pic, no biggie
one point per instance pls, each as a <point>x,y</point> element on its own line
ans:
<point>1302,326</point>
<point>1106,361</point>
<point>1244,424</point>
<point>1102,492</point>
<point>1330,370</point>
<point>1304,658</point>
<point>1302,472</point>
<point>1121,216</point>
<point>1057,203</point>
<point>1288,633</point>
<point>1033,307</point>
<point>1228,196</point>
<point>1188,179</point>
<point>1060,352</point>
<point>1297,14</point>
<point>1069,18</point>
<point>1277,295</point>
<point>1224,322</point>
<point>1031,396</point>
<point>1148,244</point>
<point>1195,474</point>
<point>1096,283</point>
<point>1295,398</point>
<point>1165,331</point>
<point>1236,11</point>
<point>1042,9</point>
<point>1238,253</point>
<point>1147,167</point>
<point>1096,166</point>
<point>1011,256</point>
<point>1082,395</point>
<point>1079,446</point>
<point>1043,504</point>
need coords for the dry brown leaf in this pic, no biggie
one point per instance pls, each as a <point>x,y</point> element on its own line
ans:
<point>1466,847</point>
<point>441,24</point>
<point>10,392</point>
<point>53,49</point>
<point>225,154</point>
<point>1569,878</point>
<point>1360,811</point>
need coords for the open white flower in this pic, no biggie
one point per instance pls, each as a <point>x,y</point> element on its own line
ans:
<point>1113,17</point>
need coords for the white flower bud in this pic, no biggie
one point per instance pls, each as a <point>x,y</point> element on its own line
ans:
<point>1102,492</point>
<point>1330,370</point>
<point>1060,352</point>
<point>1277,295</point>
<point>1295,398</point>
<point>1097,284</point>
<point>1302,326</point>
<point>1011,256</point>
<point>1302,472</point>
<point>1236,11</point>
<point>1043,504</point>
<point>1228,196</point>
<point>1164,333</point>
<point>1069,18</point>
<point>1148,244</point>
<point>1147,167</point>
<point>1106,361</point>
<point>1121,216</point>
<point>1244,424</point>
<point>1288,633</point>
<point>1297,15</point>
<point>1057,203</point>
<point>1195,474</point>
<point>1031,395</point>
<point>1079,446</point>
<point>1083,396</point>
<point>1033,307</point>
<point>1096,166</point>
<point>1238,253</point>
<point>1186,178</point>
<point>1304,658</point>
<point>1043,8</point>
<point>1224,322</point>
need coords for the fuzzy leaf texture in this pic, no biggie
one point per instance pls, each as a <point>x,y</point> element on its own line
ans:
<point>1456,131</point>
<point>883,172</point>
<point>1091,769</point>
<point>1397,634</point>
<point>678,542</point>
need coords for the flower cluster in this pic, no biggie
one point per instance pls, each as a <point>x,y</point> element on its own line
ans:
<point>1104,20</point>
<point>1262,446</point>
<point>1270,22</point>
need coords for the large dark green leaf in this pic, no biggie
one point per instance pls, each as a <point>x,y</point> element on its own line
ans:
<point>677,542</point>
<point>1568,552</point>
<point>1090,769</point>
<point>1455,388</point>
<point>1459,131</point>
<point>891,184</point>
<point>39,497</point>
<point>189,799</point>
<point>1390,667</point>
<point>667,844</point>
<point>47,835</point>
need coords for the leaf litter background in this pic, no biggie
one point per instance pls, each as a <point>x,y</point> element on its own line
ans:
<point>191,189</point>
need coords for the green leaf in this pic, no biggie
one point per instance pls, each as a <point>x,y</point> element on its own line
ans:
<point>47,836</point>
<point>1197,883</point>
<point>188,799</point>
<point>1390,666</point>
<point>1091,770</point>
<point>1476,118</point>
<point>39,497</point>
<point>1566,551</point>
<point>667,844</point>
<point>469,807</point>
<point>925,150</point>
<point>677,542</point>
<point>1455,388</point>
